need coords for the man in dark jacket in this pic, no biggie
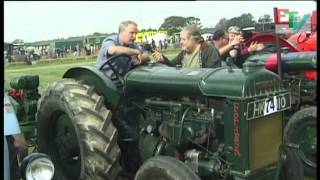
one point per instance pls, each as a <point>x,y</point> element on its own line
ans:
<point>195,53</point>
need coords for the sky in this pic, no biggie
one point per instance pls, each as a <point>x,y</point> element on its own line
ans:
<point>45,20</point>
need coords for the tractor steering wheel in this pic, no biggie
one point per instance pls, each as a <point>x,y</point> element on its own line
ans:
<point>119,64</point>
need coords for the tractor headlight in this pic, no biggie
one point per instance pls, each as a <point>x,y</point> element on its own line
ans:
<point>37,166</point>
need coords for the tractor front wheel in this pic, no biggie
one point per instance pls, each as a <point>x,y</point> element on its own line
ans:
<point>75,130</point>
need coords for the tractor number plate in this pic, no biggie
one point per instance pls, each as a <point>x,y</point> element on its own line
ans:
<point>269,105</point>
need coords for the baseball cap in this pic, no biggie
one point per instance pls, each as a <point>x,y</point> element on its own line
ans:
<point>234,29</point>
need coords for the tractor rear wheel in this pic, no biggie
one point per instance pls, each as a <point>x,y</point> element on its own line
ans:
<point>301,130</point>
<point>75,130</point>
<point>165,168</point>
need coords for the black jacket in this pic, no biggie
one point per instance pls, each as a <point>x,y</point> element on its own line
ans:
<point>209,57</point>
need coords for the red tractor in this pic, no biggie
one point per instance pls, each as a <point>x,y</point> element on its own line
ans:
<point>299,68</point>
<point>306,41</point>
<point>301,41</point>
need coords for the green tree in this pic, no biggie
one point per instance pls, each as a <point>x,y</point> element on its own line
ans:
<point>173,24</point>
<point>151,29</point>
<point>97,34</point>
<point>18,41</point>
<point>264,19</point>
<point>193,21</point>
<point>245,20</point>
<point>206,30</point>
<point>222,24</point>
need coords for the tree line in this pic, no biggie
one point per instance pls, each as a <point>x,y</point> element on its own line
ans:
<point>174,24</point>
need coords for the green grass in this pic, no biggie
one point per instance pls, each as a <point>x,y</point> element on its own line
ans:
<point>47,74</point>
<point>53,70</point>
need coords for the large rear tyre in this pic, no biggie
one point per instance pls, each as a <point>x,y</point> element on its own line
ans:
<point>165,168</point>
<point>293,167</point>
<point>75,130</point>
<point>301,130</point>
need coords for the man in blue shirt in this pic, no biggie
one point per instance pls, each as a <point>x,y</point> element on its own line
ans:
<point>123,43</point>
<point>11,125</point>
<point>13,140</point>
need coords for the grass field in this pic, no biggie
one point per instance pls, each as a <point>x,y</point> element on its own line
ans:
<point>50,72</point>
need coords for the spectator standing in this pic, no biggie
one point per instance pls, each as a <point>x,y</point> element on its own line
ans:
<point>160,44</point>
<point>153,44</point>
<point>241,52</point>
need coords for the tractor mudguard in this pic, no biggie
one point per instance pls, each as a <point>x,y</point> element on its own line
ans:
<point>92,76</point>
<point>271,38</point>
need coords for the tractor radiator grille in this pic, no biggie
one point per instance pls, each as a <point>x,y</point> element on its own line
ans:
<point>265,140</point>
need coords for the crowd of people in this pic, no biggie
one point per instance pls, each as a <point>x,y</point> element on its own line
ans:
<point>31,53</point>
<point>66,52</point>
<point>195,52</point>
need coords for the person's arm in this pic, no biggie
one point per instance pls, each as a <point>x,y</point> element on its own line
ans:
<point>163,59</point>
<point>115,50</point>
<point>231,45</point>
<point>109,48</point>
<point>245,51</point>
<point>177,60</point>
<point>254,47</point>
<point>225,49</point>
<point>248,50</point>
<point>144,57</point>
<point>19,141</point>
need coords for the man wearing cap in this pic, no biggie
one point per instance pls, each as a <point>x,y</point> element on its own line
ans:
<point>221,41</point>
<point>195,53</point>
<point>239,52</point>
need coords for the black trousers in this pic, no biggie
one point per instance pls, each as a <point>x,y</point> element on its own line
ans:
<point>13,153</point>
<point>128,140</point>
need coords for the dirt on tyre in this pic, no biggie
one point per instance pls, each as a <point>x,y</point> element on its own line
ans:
<point>165,168</point>
<point>75,130</point>
<point>301,131</point>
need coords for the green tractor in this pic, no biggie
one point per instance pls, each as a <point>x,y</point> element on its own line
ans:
<point>158,122</point>
<point>299,75</point>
